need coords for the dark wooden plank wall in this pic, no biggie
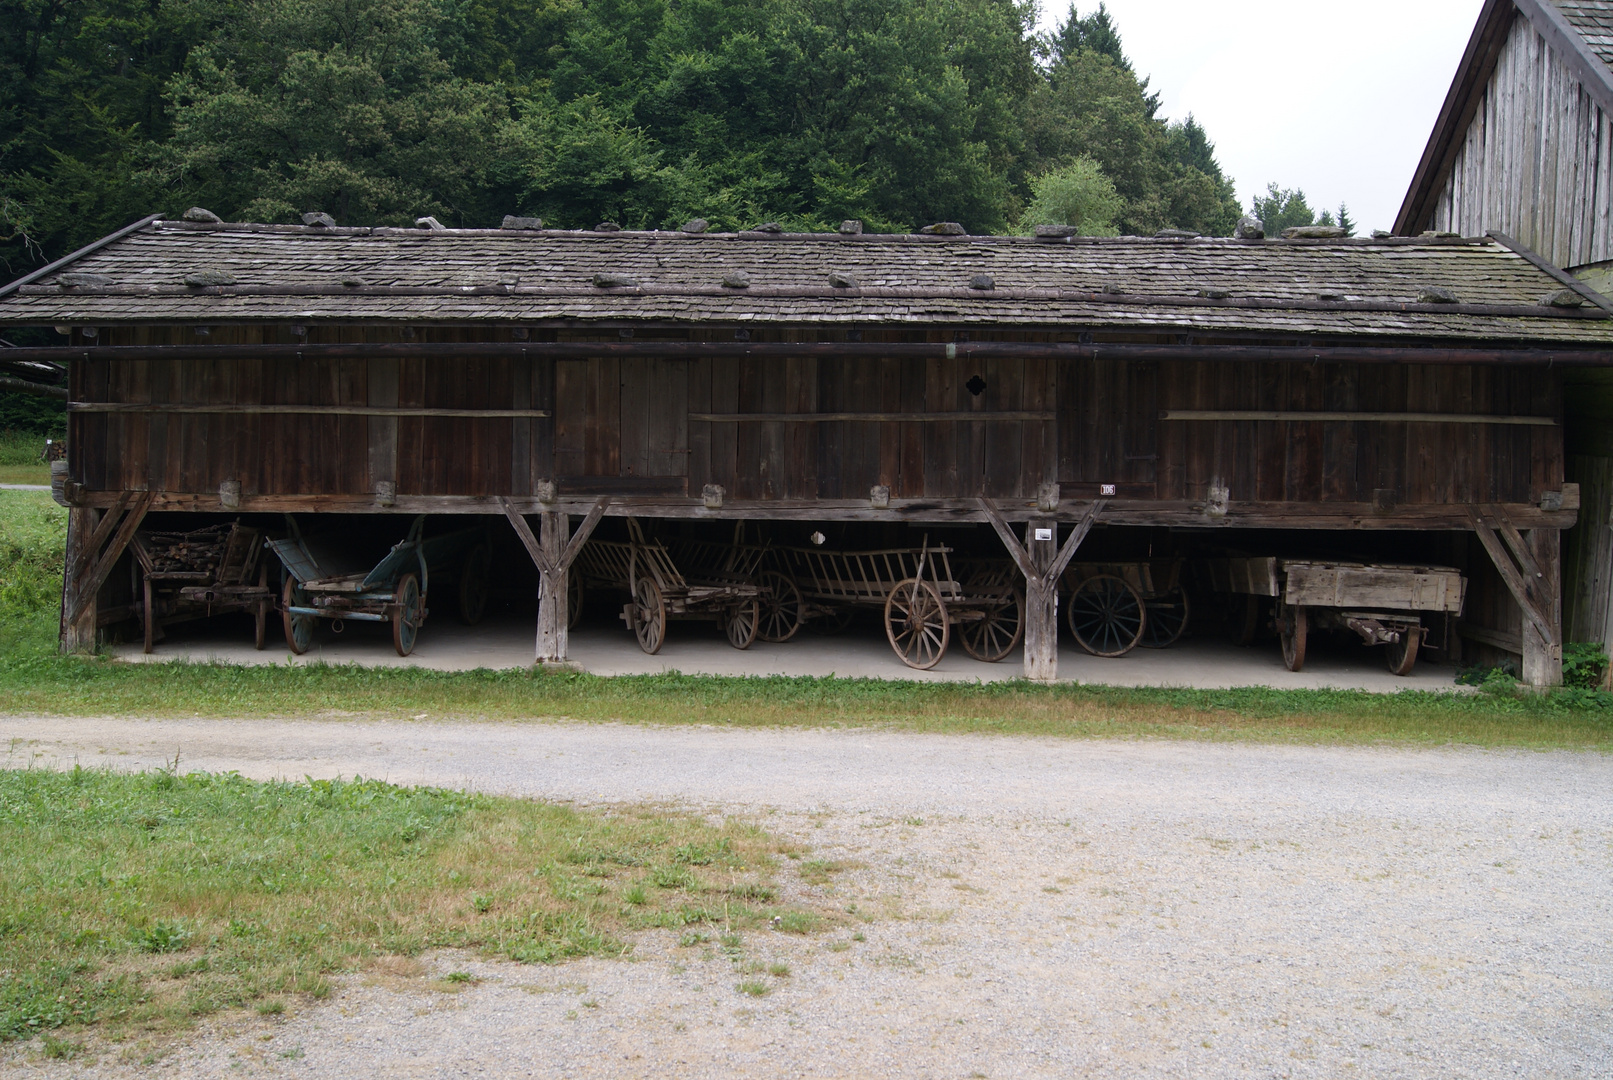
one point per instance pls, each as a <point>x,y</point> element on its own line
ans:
<point>628,419</point>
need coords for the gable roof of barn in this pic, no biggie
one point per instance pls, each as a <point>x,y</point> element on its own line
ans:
<point>245,273</point>
<point>1580,34</point>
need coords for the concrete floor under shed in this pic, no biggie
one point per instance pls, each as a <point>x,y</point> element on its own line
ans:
<point>1208,662</point>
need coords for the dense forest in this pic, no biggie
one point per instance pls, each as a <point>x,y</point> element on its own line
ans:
<point>644,112</point>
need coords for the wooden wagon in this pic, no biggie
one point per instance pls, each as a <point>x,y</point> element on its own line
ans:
<point>918,595</point>
<point>320,583</point>
<point>710,582</point>
<point>1112,607</point>
<point>200,573</point>
<point>1384,603</point>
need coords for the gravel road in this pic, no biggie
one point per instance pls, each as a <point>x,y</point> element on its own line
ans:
<point>1030,907</point>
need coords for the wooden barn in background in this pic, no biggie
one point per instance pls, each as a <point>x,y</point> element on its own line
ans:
<point>1524,147</point>
<point>1358,391</point>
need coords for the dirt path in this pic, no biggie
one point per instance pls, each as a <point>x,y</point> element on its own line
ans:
<point>1038,908</point>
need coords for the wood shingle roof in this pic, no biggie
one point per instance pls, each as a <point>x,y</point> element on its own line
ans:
<point>278,273</point>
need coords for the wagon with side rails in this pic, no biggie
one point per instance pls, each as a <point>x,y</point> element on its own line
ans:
<point>712,582</point>
<point>1113,607</point>
<point>916,592</point>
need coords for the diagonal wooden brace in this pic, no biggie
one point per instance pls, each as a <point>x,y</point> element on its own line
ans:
<point>1512,576</point>
<point>1022,558</point>
<point>91,583</point>
<point>528,541</point>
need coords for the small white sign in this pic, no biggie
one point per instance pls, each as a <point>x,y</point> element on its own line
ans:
<point>1044,534</point>
<point>1106,489</point>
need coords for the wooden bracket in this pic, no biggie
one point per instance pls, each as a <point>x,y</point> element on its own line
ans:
<point>1022,558</point>
<point>535,549</point>
<point>90,583</point>
<point>1519,575</point>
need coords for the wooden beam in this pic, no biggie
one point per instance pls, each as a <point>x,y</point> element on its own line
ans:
<point>1016,550</point>
<point>23,386</point>
<point>584,531</point>
<point>77,635</point>
<point>1591,355</point>
<point>866,417</point>
<point>88,588</point>
<point>1077,535</point>
<point>1179,513</point>
<point>1369,417</point>
<point>1513,579</point>
<point>294,410</point>
<point>88,249</point>
<point>524,531</point>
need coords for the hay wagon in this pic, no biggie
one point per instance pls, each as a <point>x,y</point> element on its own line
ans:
<point>1383,603</point>
<point>200,573</point>
<point>709,582</point>
<point>917,594</point>
<point>1113,607</point>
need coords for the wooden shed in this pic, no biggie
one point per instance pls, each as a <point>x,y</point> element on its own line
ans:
<point>1383,387</point>
<point>1524,147</point>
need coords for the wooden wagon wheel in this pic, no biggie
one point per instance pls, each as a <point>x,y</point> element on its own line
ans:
<point>740,623</point>
<point>916,623</point>
<point>1292,628</point>
<point>299,628</point>
<point>1402,654</point>
<point>474,584</point>
<point>649,615</point>
<point>1107,616</point>
<point>573,598</point>
<point>1167,619</point>
<point>781,606</point>
<point>407,614</point>
<point>996,634</point>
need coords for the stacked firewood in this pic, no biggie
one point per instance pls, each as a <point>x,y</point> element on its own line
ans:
<point>197,552</point>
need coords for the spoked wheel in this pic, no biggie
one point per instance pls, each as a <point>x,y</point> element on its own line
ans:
<point>916,623</point>
<point>740,623</point>
<point>1107,616</point>
<point>995,635</point>
<point>1402,654</point>
<point>407,615</point>
<point>1167,618</point>
<point>1291,627</point>
<point>573,598</point>
<point>474,583</point>
<point>649,616</point>
<point>299,628</point>
<point>781,606</point>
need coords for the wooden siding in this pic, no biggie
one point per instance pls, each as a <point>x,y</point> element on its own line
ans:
<point>635,425</point>
<point>1537,160</point>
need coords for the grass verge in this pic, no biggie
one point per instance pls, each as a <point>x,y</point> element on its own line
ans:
<point>35,681</point>
<point>136,903</point>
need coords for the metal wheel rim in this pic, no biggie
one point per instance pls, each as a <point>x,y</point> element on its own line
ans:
<point>1167,620</point>
<point>916,623</point>
<point>406,620</point>
<point>740,624</point>
<point>1107,616</point>
<point>988,640</point>
<point>1402,655</point>
<point>299,628</point>
<point>780,608</point>
<point>473,586</point>
<point>649,623</point>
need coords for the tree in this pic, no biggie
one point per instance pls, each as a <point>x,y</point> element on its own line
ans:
<point>1282,208</point>
<point>1077,194</point>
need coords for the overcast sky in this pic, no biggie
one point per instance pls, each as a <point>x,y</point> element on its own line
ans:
<point>1336,99</point>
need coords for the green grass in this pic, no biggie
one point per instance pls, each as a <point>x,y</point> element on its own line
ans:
<point>136,903</point>
<point>35,681</point>
<point>19,458</point>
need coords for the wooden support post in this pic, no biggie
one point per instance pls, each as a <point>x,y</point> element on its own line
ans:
<point>553,556</point>
<point>1543,654</point>
<point>1042,561</point>
<point>1041,602</point>
<point>554,616</point>
<point>78,635</point>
